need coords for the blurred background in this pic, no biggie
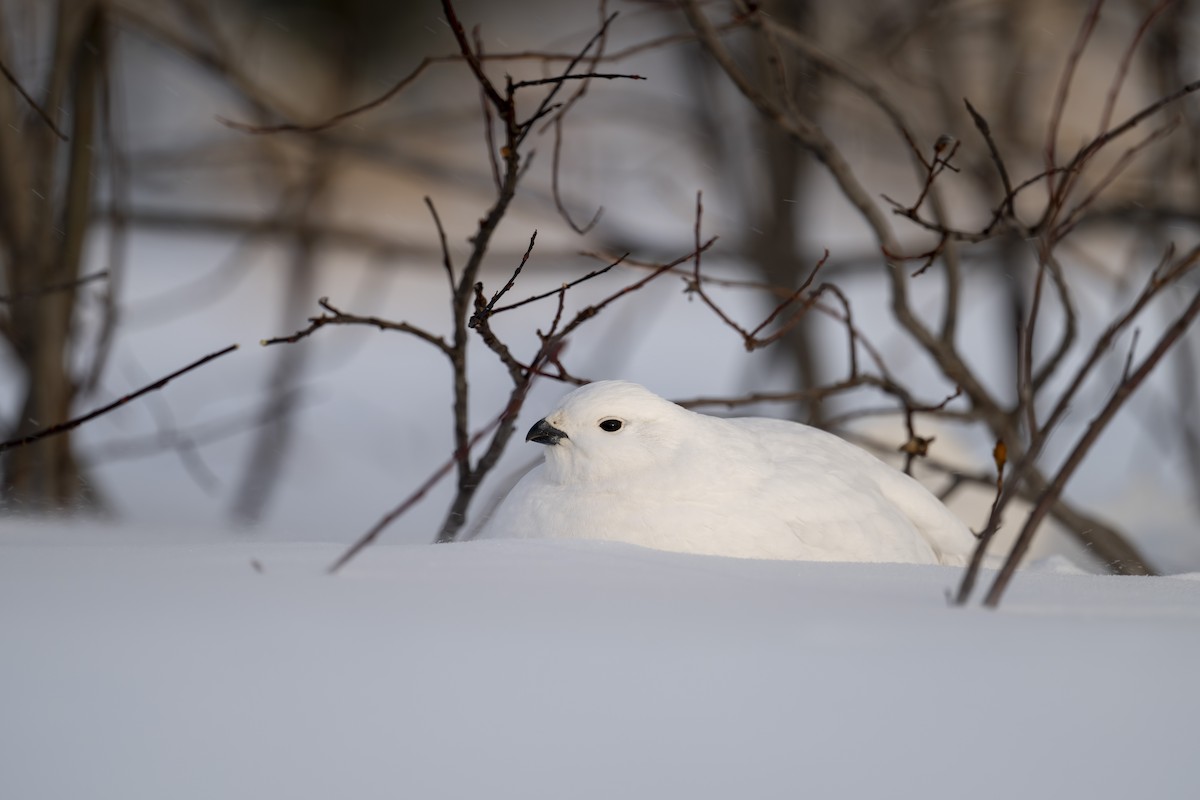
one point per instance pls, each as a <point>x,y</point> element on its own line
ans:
<point>144,225</point>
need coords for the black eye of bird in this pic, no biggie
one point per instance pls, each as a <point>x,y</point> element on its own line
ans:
<point>611,425</point>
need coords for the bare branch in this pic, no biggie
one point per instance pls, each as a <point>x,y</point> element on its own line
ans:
<point>578,77</point>
<point>441,472</point>
<point>41,112</point>
<point>337,317</point>
<point>54,287</point>
<point>986,131</point>
<point>336,119</point>
<point>593,274</point>
<point>71,424</point>
<point>1123,392</point>
<point>554,190</point>
<point>447,262</point>
<point>1114,90</point>
<point>491,304</point>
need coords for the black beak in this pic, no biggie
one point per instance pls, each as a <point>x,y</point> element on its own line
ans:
<point>543,432</point>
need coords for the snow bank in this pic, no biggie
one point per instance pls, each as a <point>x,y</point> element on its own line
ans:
<point>575,670</point>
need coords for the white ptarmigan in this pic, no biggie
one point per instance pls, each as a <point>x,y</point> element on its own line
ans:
<point>625,465</point>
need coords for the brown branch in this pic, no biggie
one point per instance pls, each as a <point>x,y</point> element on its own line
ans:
<point>793,297</point>
<point>819,55</point>
<point>576,77</point>
<point>473,58</point>
<point>593,310</point>
<point>489,133</point>
<point>1063,91</point>
<point>697,285</point>
<point>1051,494</point>
<point>619,55</point>
<point>485,310</point>
<point>1110,102</point>
<point>338,118</point>
<point>1025,356</point>
<point>337,317</point>
<point>557,122</point>
<point>1073,520</point>
<point>545,107</point>
<point>593,62</point>
<point>447,262</point>
<point>554,341</point>
<point>750,338</point>
<point>469,55</point>
<point>1129,355</point>
<point>815,393</point>
<point>54,287</point>
<point>481,58</point>
<point>985,131</point>
<point>556,193</point>
<point>1086,152</point>
<point>481,323</point>
<point>1024,468</point>
<point>937,166</point>
<point>1068,224</point>
<point>845,316</point>
<point>1065,175</point>
<point>371,535</point>
<point>918,446</point>
<point>468,290</point>
<point>808,134</point>
<point>41,112</point>
<point>1070,325</point>
<point>853,334</point>
<point>192,437</point>
<point>119,191</point>
<point>71,424</point>
<point>576,282</point>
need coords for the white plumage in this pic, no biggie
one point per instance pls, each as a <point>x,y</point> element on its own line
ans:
<point>623,464</point>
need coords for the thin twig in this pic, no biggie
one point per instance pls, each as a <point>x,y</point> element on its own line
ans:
<point>1110,102</point>
<point>793,297</point>
<point>471,57</point>
<point>489,133</point>
<point>1123,392</point>
<point>1064,88</point>
<point>447,262</point>
<point>32,103</point>
<point>330,122</point>
<point>986,132</point>
<point>556,193</point>
<point>71,424</point>
<point>568,285</point>
<point>577,77</point>
<point>491,304</point>
<point>337,317</point>
<point>547,103</point>
<point>371,535</point>
<point>54,287</point>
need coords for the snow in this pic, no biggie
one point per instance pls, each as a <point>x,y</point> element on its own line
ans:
<point>143,665</point>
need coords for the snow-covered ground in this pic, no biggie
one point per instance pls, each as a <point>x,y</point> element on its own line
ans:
<point>143,665</point>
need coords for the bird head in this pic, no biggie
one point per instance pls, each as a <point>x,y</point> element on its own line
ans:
<point>609,430</point>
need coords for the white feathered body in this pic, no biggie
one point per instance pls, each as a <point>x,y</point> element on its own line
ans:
<point>752,487</point>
